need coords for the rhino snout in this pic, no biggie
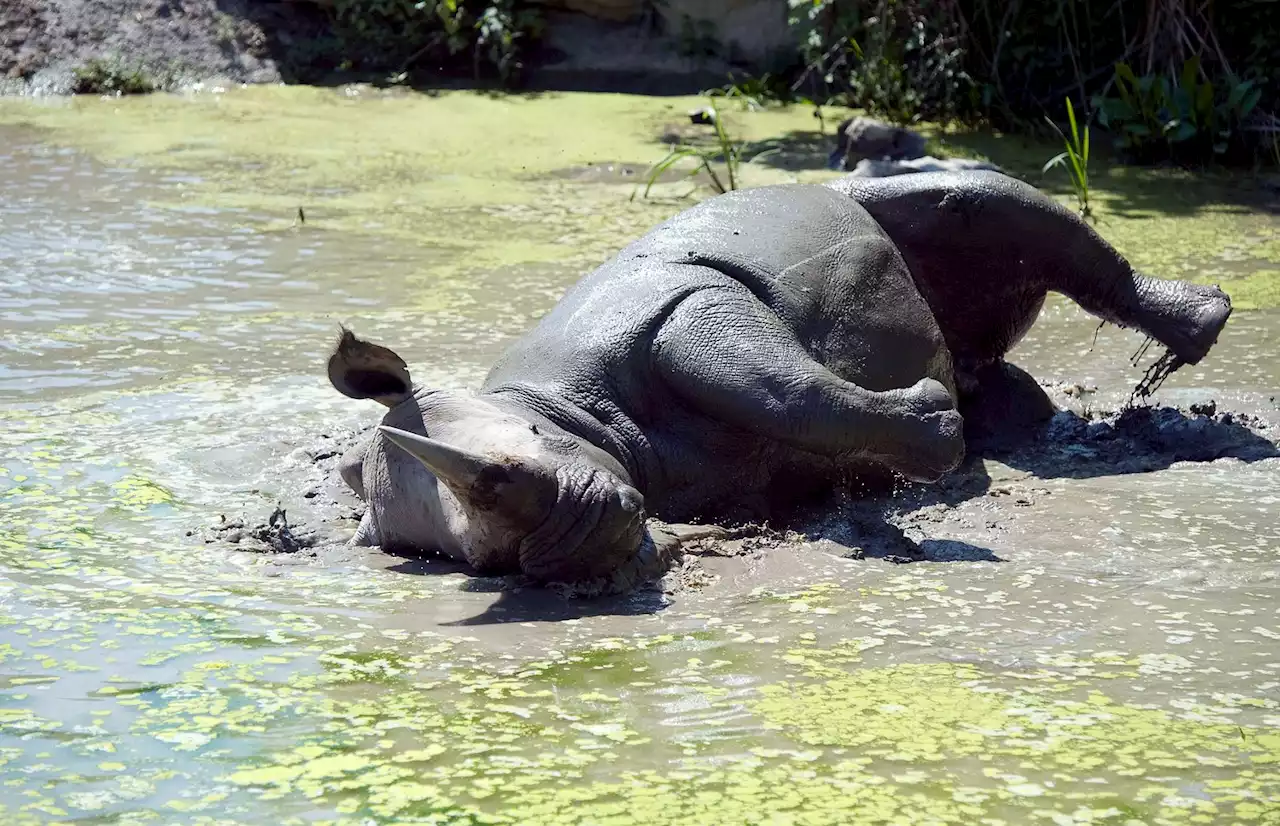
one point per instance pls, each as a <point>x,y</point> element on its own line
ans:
<point>630,501</point>
<point>595,528</point>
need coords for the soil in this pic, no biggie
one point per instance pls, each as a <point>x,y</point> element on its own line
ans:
<point>44,42</point>
<point>56,47</point>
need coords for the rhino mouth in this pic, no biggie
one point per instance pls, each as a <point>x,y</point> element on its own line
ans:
<point>595,526</point>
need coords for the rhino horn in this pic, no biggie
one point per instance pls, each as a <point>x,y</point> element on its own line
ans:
<point>458,468</point>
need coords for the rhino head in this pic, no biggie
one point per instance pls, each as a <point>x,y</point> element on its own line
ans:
<point>484,481</point>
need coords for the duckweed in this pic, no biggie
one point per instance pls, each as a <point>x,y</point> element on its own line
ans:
<point>146,677</point>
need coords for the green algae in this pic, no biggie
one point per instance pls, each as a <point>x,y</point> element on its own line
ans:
<point>469,176</point>
<point>437,735</point>
<point>475,178</point>
<point>1168,223</point>
<point>1254,292</point>
<point>145,679</point>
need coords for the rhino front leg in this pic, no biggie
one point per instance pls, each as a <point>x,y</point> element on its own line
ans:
<point>733,359</point>
<point>351,465</point>
<point>367,533</point>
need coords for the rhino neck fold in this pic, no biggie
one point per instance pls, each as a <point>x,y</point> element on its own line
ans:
<point>608,430</point>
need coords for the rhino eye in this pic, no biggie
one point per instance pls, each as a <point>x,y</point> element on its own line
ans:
<point>486,490</point>
<point>375,383</point>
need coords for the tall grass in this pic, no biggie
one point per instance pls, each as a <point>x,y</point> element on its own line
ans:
<point>1075,159</point>
<point>726,150</point>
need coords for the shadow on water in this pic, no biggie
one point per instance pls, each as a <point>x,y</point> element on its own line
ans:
<point>1131,190</point>
<point>793,151</point>
<point>1068,446</point>
<point>545,605</point>
<point>529,604</point>
<point>953,550</point>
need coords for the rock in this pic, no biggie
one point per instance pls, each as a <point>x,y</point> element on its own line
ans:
<point>706,116</point>
<point>1206,409</point>
<point>885,168</point>
<point>865,138</point>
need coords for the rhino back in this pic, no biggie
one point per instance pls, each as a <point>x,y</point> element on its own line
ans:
<point>811,255</point>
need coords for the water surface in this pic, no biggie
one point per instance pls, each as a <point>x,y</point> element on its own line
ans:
<point>1104,649</point>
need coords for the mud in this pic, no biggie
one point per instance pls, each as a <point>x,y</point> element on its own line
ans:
<point>1079,644</point>
<point>894,525</point>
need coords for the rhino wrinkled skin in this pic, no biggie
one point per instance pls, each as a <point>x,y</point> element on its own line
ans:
<point>739,358</point>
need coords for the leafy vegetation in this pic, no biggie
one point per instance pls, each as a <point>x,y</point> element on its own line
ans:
<point>1170,80</point>
<point>113,76</point>
<point>1075,159</point>
<point>485,38</point>
<point>897,59</point>
<point>1185,116</point>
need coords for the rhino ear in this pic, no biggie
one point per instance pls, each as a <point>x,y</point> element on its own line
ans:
<point>361,370</point>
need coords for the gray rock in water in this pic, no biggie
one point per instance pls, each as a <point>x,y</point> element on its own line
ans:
<point>706,116</point>
<point>885,168</point>
<point>859,138</point>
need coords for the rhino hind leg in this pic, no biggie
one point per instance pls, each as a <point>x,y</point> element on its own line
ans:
<point>1003,406</point>
<point>731,358</point>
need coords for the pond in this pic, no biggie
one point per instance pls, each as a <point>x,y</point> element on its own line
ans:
<point>1081,647</point>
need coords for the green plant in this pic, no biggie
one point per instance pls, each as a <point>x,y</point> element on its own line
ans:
<point>113,76</point>
<point>1185,117</point>
<point>726,150</point>
<point>752,93</point>
<point>1006,64</point>
<point>897,59</point>
<point>489,35</point>
<point>1075,159</point>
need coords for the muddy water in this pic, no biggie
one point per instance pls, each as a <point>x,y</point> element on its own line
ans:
<point>1082,646</point>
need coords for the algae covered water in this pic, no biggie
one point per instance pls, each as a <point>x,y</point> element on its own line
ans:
<point>1082,646</point>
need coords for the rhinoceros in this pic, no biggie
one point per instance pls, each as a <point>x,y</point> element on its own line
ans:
<point>741,357</point>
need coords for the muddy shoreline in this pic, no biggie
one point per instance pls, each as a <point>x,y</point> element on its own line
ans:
<point>1000,483</point>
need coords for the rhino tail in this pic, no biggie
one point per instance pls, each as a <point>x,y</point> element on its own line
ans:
<point>360,369</point>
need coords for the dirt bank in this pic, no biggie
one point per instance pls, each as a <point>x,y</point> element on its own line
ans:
<point>65,46</point>
<point>47,45</point>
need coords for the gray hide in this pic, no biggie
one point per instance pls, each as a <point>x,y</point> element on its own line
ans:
<point>748,351</point>
<point>739,358</point>
<point>985,249</point>
<point>883,168</point>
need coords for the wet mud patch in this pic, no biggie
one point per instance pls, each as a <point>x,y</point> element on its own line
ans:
<point>1142,439</point>
<point>1070,446</point>
<point>897,524</point>
<point>276,534</point>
